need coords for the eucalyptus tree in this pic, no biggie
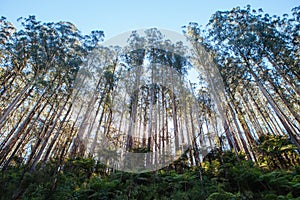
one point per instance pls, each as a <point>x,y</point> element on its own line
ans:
<point>151,108</point>
<point>135,59</point>
<point>6,31</point>
<point>44,59</point>
<point>204,60</point>
<point>252,51</point>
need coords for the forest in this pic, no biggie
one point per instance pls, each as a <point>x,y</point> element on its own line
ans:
<point>81,120</point>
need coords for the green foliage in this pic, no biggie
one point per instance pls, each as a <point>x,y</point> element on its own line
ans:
<point>222,196</point>
<point>84,178</point>
<point>223,177</point>
<point>276,152</point>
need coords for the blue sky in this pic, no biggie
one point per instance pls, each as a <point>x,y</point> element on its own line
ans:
<point>115,17</point>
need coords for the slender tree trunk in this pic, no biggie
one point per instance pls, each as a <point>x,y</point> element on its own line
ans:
<point>56,134</point>
<point>12,107</point>
<point>279,113</point>
<point>46,139</point>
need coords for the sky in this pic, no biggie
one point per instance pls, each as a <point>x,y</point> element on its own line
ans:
<point>117,16</point>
